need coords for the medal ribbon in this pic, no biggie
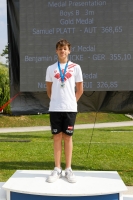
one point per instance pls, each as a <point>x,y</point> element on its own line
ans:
<point>62,75</point>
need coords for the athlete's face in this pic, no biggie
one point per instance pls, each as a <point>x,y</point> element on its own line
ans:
<point>63,52</point>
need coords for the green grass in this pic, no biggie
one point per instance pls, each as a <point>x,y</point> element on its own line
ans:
<point>43,120</point>
<point>111,149</point>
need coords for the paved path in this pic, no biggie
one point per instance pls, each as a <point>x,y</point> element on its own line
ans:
<point>78,126</point>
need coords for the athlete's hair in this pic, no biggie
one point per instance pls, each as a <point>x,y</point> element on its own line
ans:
<point>63,42</point>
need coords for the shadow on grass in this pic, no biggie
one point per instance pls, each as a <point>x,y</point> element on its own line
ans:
<point>115,129</point>
<point>34,166</point>
<point>24,136</point>
<point>48,166</point>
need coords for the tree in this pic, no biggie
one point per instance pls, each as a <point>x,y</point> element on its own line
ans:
<point>5,53</point>
<point>4,87</point>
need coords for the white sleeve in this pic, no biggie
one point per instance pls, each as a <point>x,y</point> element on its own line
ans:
<point>78,75</point>
<point>48,75</point>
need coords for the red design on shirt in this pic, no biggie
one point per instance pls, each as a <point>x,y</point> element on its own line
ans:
<point>71,65</point>
<point>67,75</point>
<point>57,76</point>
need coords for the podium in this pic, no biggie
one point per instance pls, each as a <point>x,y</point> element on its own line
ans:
<point>90,185</point>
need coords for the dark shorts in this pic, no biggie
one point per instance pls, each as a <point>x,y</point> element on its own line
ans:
<point>62,122</point>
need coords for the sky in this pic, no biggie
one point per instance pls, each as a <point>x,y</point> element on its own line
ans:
<point>3,27</point>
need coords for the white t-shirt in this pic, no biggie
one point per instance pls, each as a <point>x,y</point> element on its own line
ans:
<point>63,98</point>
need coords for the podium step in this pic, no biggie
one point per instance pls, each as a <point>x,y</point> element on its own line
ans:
<point>90,185</point>
<point>2,192</point>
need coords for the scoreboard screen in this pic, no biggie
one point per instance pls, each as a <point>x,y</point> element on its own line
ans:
<point>101,35</point>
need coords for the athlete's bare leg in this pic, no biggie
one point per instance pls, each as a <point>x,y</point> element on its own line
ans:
<point>57,149</point>
<point>68,147</point>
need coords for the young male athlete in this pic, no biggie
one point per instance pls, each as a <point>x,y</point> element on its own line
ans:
<point>64,83</point>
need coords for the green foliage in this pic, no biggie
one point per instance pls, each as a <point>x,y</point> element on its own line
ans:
<point>5,53</point>
<point>4,87</point>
